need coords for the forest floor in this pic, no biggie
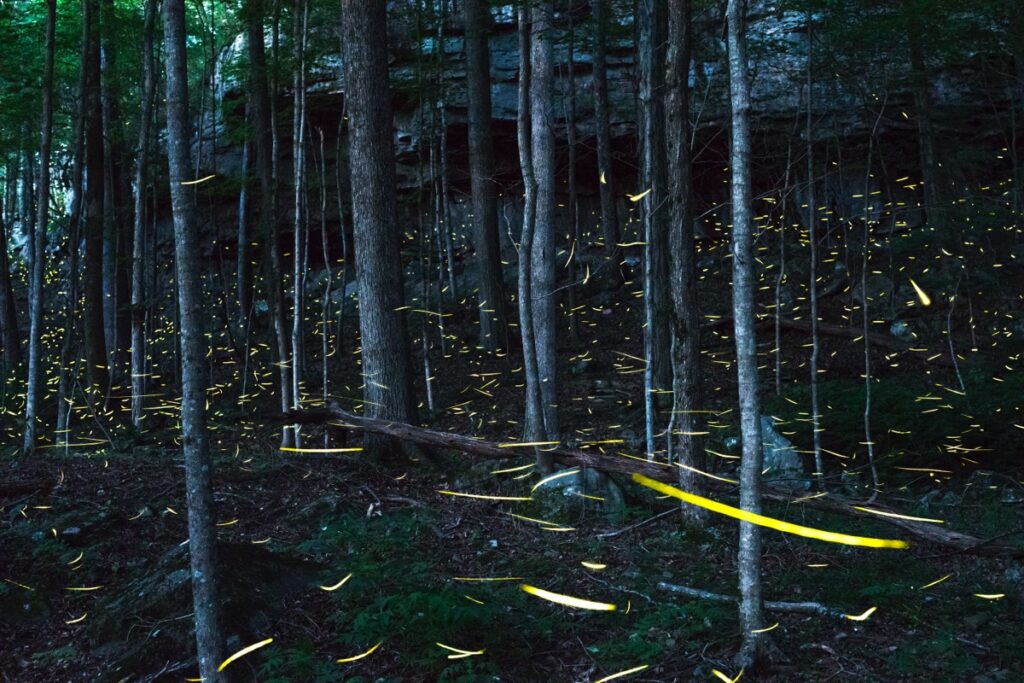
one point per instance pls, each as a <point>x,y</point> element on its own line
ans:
<point>93,568</point>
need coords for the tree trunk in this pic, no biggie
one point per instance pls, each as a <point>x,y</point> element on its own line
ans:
<point>243,268</point>
<point>35,334</point>
<point>534,418</point>
<point>812,284</point>
<point>749,555</point>
<point>299,21</point>
<point>97,377</point>
<point>198,480</point>
<point>686,424</point>
<point>544,305</point>
<point>574,219</point>
<point>491,297</point>
<point>931,172</point>
<point>609,211</point>
<point>8,315</point>
<point>386,369</point>
<point>138,309</point>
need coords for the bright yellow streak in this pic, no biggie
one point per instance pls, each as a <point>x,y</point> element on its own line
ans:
<point>722,677</point>
<point>542,522</point>
<point>77,619</point>
<point>925,299</point>
<point>526,444</point>
<point>514,469</point>
<point>896,516</point>
<point>482,496</point>
<point>990,596</point>
<point>482,579</point>
<point>553,477</point>
<point>459,653</point>
<point>596,566</point>
<point>706,474</point>
<point>766,629</point>
<point>201,180</point>
<point>337,585</point>
<point>369,652</point>
<point>83,588</point>
<point>638,197</point>
<point>861,617</point>
<point>604,181</point>
<point>635,669</point>
<point>936,582</point>
<point>567,600</point>
<point>80,556</point>
<point>243,652</point>
<point>771,523</point>
<point>320,450</point>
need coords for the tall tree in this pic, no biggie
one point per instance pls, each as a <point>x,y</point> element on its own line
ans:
<point>812,237</point>
<point>749,556</point>
<point>534,418</point>
<point>386,369</point>
<point>299,25</point>
<point>657,300</point>
<point>35,333</point>
<point>138,309</point>
<point>542,139</point>
<point>8,314</point>
<point>95,337</point>
<point>686,424</point>
<point>198,479</point>
<point>610,232</point>
<point>491,296</point>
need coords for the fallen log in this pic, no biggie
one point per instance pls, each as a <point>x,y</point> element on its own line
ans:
<point>771,605</point>
<point>628,465</point>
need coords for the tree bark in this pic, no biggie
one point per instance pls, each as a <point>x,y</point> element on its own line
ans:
<point>138,308</point>
<point>534,414</point>
<point>299,23</point>
<point>386,369</point>
<point>97,377</point>
<point>749,555</point>
<point>544,304</point>
<point>198,480</point>
<point>35,333</point>
<point>609,211</point>
<point>812,284</point>
<point>491,297</point>
<point>686,425</point>
<point>8,314</point>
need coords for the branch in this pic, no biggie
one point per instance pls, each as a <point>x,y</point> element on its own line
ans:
<point>923,531</point>
<point>775,606</point>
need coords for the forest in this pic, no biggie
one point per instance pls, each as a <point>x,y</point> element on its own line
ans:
<point>543,340</point>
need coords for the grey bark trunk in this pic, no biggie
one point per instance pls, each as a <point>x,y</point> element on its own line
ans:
<point>491,296</point>
<point>686,424</point>
<point>544,304</point>
<point>749,555</point>
<point>812,234</point>
<point>8,315</point>
<point>198,485</point>
<point>35,333</point>
<point>386,368</point>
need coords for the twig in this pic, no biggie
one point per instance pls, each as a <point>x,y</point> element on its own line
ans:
<point>631,527</point>
<point>800,607</point>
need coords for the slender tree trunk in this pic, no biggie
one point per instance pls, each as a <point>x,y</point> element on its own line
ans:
<point>491,297</point>
<point>35,334</point>
<point>544,305</point>
<point>574,219</point>
<point>97,377</point>
<point>931,173</point>
<point>687,394</point>
<point>749,555</point>
<point>534,420</point>
<point>8,315</point>
<point>243,269</point>
<point>139,238</point>
<point>298,176</point>
<point>609,211</point>
<point>812,235</point>
<point>386,369</point>
<point>198,479</point>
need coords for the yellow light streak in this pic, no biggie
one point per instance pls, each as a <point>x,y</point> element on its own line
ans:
<point>863,616</point>
<point>925,299</point>
<point>77,620</point>
<point>369,652</point>
<point>243,652</point>
<point>526,444</point>
<point>200,180</point>
<point>936,582</point>
<point>482,496</point>
<point>320,450</point>
<point>769,522</point>
<point>637,197</point>
<point>337,585</point>
<point>553,477</point>
<point>634,670</point>
<point>596,566</point>
<point>722,677</point>
<point>766,629</point>
<point>990,596</point>
<point>567,600</point>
